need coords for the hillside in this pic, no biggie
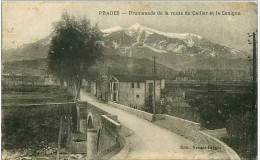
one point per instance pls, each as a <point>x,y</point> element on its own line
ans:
<point>129,65</point>
<point>117,65</point>
<point>29,51</point>
<point>35,67</point>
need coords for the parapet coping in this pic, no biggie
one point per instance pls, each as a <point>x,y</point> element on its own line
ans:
<point>180,119</point>
<point>124,151</point>
<point>111,120</point>
<point>229,151</point>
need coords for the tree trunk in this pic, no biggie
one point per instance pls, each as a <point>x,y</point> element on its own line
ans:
<point>78,86</point>
<point>61,83</point>
<point>75,92</point>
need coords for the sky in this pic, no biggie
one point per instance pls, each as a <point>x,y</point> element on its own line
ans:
<point>28,22</point>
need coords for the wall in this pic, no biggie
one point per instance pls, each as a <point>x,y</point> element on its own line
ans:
<point>127,94</point>
<point>185,128</point>
<point>157,89</point>
<point>184,112</point>
<point>104,122</point>
<point>142,114</point>
<point>192,131</point>
<point>87,109</point>
<point>214,141</point>
<point>177,125</point>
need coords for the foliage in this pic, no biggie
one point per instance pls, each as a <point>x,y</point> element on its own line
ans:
<point>208,112</point>
<point>241,124</point>
<point>74,48</point>
<point>215,110</point>
<point>234,112</point>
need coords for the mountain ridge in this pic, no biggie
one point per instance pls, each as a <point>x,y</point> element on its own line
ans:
<point>175,50</point>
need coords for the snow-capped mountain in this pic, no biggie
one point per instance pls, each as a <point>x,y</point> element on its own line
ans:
<point>175,50</point>
<point>172,49</point>
<point>129,40</point>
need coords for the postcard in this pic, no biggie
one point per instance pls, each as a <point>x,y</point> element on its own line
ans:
<point>129,80</point>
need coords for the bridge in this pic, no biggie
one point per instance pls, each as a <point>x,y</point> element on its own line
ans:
<point>150,140</point>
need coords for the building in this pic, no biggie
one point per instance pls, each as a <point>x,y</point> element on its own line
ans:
<point>135,90</point>
<point>49,80</point>
<point>102,90</point>
<point>98,88</point>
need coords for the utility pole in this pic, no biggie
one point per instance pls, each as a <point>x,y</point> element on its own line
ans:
<point>59,139</point>
<point>154,82</point>
<point>108,84</point>
<point>254,94</point>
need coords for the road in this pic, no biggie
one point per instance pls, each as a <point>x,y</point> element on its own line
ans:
<point>150,141</point>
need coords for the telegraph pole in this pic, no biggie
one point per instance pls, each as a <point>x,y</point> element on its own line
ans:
<point>154,81</point>
<point>108,97</point>
<point>254,93</point>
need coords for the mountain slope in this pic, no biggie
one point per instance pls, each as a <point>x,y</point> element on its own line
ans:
<point>116,64</point>
<point>186,44</point>
<point>176,51</point>
<point>31,51</point>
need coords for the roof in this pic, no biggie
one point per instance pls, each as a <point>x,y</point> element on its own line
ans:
<point>134,78</point>
<point>104,78</point>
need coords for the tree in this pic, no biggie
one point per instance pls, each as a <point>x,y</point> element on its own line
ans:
<point>74,48</point>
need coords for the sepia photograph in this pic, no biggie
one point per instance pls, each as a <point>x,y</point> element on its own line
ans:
<point>91,80</point>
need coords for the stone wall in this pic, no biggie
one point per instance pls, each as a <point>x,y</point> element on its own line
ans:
<point>184,112</point>
<point>216,142</point>
<point>192,131</point>
<point>132,97</point>
<point>142,114</point>
<point>185,128</point>
<point>107,126</point>
<point>177,125</point>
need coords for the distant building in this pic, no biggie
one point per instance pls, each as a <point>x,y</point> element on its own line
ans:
<point>102,91</point>
<point>49,80</point>
<point>135,90</point>
<point>99,88</point>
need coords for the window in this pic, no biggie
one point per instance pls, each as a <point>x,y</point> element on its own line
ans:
<point>137,96</point>
<point>138,84</point>
<point>133,85</point>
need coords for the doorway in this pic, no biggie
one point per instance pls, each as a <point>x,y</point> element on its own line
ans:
<point>114,92</point>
